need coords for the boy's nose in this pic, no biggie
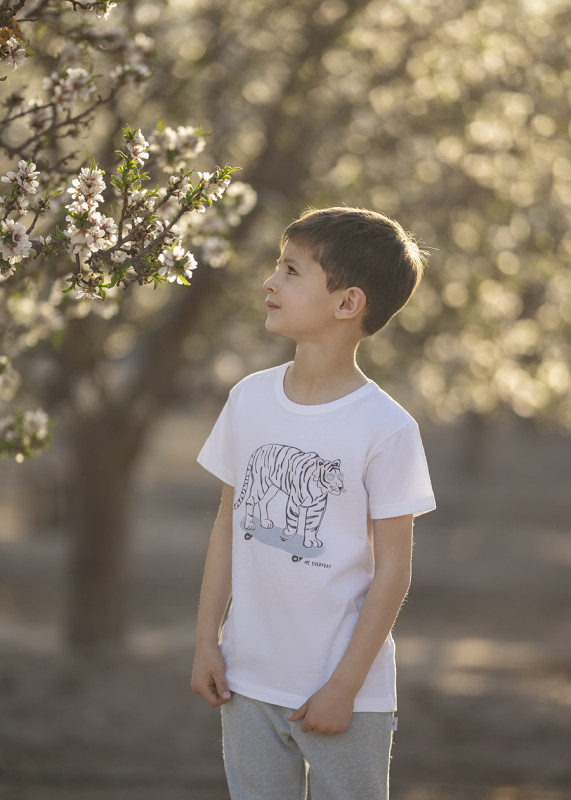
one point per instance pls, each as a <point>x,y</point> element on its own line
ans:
<point>269,285</point>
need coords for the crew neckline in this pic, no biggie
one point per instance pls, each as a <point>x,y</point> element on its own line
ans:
<point>320,408</point>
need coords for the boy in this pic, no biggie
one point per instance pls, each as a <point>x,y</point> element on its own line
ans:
<point>323,473</point>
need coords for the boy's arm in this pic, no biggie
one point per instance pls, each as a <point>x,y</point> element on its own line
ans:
<point>329,710</point>
<point>209,670</point>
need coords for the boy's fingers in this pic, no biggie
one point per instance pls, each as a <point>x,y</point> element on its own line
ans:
<point>215,691</point>
<point>224,692</point>
<point>299,714</point>
<point>208,693</point>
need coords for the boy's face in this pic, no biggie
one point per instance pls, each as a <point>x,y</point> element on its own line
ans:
<point>299,303</point>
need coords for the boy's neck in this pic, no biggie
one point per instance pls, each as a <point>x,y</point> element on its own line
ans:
<point>321,376</point>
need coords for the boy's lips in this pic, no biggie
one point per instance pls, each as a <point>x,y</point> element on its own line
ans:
<point>271,306</point>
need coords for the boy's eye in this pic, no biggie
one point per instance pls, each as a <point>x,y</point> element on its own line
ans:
<point>288,269</point>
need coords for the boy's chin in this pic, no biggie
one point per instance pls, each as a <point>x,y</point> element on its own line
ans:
<point>272,327</point>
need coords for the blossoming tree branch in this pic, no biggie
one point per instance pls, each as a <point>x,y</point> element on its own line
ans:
<point>64,225</point>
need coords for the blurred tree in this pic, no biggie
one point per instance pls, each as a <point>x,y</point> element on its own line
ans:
<point>100,257</point>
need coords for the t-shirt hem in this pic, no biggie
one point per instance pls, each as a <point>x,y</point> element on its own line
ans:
<point>286,700</point>
<point>214,469</point>
<point>416,508</point>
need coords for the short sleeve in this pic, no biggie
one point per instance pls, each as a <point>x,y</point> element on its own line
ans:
<point>215,454</point>
<point>397,478</point>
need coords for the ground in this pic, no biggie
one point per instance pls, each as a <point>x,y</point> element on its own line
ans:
<point>483,642</point>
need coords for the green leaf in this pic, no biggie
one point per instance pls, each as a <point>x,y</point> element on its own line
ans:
<point>61,236</point>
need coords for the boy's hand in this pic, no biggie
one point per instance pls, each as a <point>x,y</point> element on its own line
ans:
<point>209,676</point>
<point>328,711</point>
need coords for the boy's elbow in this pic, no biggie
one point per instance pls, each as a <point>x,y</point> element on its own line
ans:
<point>400,575</point>
<point>405,579</point>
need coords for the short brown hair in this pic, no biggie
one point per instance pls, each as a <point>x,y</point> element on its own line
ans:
<point>358,247</point>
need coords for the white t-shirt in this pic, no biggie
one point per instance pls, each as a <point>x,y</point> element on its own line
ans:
<point>307,478</point>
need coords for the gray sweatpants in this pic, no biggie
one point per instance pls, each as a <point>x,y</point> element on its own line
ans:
<point>269,758</point>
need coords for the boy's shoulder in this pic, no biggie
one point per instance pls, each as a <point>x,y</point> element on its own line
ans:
<point>258,381</point>
<point>382,414</point>
<point>381,399</point>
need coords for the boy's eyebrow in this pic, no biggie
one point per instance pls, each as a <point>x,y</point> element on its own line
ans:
<point>287,259</point>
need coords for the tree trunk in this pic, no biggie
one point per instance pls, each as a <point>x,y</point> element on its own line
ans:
<point>104,447</point>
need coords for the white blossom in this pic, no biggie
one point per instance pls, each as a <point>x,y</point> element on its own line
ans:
<point>82,240</point>
<point>88,186</point>
<point>174,260</point>
<point>101,9</point>
<point>69,88</point>
<point>176,147</point>
<point>15,243</point>
<point>213,189</point>
<point>189,141</point>
<point>87,293</point>
<point>18,203</point>
<point>80,206</point>
<point>107,230</point>
<point>6,271</point>
<point>180,185</point>
<point>24,433</point>
<point>151,231</point>
<point>134,74</point>
<point>140,44</point>
<point>98,233</point>
<point>241,198</point>
<point>140,199</point>
<point>138,146</point>
<point>120,256</point>
<point>24,178</point>
<point>36,424</point>
<point>13,52</point>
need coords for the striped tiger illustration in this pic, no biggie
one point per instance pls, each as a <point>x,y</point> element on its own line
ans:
<point>305,478</point>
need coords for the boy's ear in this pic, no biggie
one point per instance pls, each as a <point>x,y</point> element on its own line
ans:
<point>351,303</point>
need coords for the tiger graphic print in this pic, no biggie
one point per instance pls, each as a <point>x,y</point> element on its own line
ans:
<point>305,478</point>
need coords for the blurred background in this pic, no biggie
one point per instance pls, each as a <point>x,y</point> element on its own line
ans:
<point>453,117</point>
